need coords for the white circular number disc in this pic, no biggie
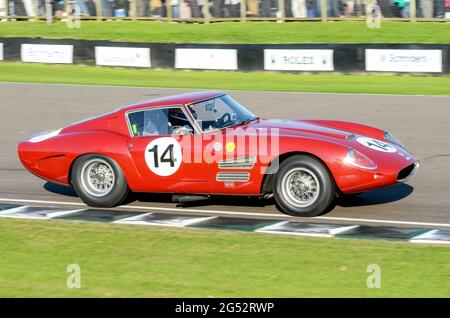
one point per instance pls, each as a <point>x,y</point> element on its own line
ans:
<point>163,156</point>
<point>376,144</point>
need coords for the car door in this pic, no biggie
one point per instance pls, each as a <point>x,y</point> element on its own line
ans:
<point>230,152</point>
<point>165,161</point>
<point>236,169</point>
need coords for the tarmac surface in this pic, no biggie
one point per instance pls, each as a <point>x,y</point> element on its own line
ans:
<point>421,122</point>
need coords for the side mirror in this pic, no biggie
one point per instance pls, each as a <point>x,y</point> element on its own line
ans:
<point>182,130</point>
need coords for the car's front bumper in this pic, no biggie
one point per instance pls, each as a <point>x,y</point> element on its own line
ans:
<point>358,180</point>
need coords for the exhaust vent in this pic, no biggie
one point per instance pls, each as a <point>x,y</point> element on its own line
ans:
<point>238,163</point>
<point>233,177</point>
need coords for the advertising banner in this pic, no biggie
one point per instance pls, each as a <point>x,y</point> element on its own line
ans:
<point>206,59</point>
<point>404,60</point>
<point>298,60</point>
<point>47,53</point>
<point>122,56</point>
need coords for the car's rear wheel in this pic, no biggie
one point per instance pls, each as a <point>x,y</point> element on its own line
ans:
<point>99,181</point>
<point>303,186</point>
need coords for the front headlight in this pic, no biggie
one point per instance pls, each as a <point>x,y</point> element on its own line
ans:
<point>391,138</point>
<point>357,159</point>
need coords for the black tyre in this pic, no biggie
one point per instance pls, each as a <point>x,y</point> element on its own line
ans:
<point>99,181</point>
<point>303,186</point>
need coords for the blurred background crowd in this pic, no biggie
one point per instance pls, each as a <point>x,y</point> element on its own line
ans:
<point>186,9</point>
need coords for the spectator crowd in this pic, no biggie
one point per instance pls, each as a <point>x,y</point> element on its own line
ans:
<point>185,9</point>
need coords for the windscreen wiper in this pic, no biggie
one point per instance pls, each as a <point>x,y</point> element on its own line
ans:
<point>245,122</point>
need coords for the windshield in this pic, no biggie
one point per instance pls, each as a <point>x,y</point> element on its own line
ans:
<point>219,112</point>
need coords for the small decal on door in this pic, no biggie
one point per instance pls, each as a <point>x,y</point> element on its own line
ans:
<point>217,146</point>
<point>230,146</point>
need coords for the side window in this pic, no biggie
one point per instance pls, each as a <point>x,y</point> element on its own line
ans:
<point>136,121</point>
<point>151,122</point>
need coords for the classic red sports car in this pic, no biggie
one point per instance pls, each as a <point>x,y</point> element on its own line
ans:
<point>207,144</point>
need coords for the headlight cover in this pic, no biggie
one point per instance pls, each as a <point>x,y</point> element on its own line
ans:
<point>357,159</point>
<point>391,138</point>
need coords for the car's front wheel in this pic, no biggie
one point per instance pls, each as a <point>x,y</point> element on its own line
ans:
<point>303,186</point>
<point>99,181</point>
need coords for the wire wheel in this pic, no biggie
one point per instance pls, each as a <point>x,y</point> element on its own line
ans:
<point>300,187</point>
<point>97,177</point>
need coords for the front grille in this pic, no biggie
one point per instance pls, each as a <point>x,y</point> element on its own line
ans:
<point>407,172</point>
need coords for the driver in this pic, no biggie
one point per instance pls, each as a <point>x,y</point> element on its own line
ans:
<point>177,117</point>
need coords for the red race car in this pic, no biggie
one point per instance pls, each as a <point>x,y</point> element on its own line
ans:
<point>207,144</point>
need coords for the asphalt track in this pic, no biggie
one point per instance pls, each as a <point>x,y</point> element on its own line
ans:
<point>421,122</point>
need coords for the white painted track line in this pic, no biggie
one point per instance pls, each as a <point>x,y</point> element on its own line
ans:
<point>233,213</point>
<point>429,242</point>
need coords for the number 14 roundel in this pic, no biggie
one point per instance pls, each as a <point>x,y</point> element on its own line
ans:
<point>163,156</point>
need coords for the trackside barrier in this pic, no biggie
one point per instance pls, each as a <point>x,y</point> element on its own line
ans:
<point>344,58</point>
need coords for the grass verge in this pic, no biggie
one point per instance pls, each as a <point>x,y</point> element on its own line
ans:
<point>261,81</point>
<point>134,261</point>
<point>232,32</point>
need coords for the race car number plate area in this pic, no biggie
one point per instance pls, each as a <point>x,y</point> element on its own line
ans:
<point>376,144</point>
<point>163,156</point>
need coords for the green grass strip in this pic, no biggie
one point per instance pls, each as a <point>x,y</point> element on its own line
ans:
<point>136,261</point>
<point>261,81</point>
<point>234,32</point>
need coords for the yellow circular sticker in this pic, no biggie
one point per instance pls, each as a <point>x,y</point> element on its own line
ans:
<point>230,146</point>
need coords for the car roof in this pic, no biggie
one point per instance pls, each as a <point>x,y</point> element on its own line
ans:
<point>181,99</point>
